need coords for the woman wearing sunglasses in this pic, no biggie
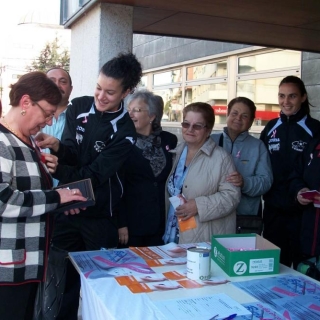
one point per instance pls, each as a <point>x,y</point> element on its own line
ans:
<point>142,213</point>
<point>199,174</point>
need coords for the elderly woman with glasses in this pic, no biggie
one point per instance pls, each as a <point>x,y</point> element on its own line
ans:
<point>26,195</point>
<point>199,176</point>
<point>142,211</point>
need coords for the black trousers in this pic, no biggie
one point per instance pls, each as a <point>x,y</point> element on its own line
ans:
<point>146,241</point>
<point>75,233</point>
<point>17,301</point>
<point>283,230</point>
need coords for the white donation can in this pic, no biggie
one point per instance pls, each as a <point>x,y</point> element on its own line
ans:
<point>198,263</point>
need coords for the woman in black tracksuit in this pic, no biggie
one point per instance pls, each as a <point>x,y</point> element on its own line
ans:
<point>286,137</point>
<point>97,139</point>
<point>305,178</point>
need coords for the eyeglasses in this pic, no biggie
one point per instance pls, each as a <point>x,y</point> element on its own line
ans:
<point>197,127</point>
<point>47,118</point>
<point>136,110</point>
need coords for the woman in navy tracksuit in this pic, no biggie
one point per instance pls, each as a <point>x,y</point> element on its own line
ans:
<point>306,178</point>
<point>286,137</point>
<point>97,139</point>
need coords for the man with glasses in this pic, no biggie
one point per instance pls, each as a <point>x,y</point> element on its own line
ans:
<point>63,80</point>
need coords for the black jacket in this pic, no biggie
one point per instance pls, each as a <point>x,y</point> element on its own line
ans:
<point>286,138</point>
<point>306,175</point>
<point>143,205</point>
<point>95,145</point>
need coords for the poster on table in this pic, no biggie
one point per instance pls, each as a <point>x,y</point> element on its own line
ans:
<point>168,254</point>
<point>294,297</point>
<point>110,263</point>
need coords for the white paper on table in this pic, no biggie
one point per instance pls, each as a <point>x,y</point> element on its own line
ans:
<point>201,308</point>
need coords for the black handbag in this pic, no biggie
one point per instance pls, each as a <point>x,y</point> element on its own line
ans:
<point>310,268</point>
<point>50,292</point>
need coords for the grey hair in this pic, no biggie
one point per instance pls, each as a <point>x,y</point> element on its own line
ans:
<point>155,105</point>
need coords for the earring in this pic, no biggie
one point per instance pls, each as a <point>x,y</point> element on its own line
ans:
<point>23,112</point>
<point>150,122</point>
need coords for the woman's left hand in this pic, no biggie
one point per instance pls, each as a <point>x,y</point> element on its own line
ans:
<point>301,199</point>
<point>187,210</point>
<point>123,235</point>
<point>50,161</point>
<point>236,179</point>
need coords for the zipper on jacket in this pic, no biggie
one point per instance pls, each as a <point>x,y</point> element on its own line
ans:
<point>232,142</point>
<point>120,183</point>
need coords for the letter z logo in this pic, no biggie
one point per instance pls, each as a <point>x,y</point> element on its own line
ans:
<point>240,268</point>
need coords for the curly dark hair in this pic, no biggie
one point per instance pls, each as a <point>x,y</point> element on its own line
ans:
<point>124,67</point>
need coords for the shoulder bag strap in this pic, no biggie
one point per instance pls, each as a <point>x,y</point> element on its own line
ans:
<point>221,140</point>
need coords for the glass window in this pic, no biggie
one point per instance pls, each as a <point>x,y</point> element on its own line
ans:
<point>216,94</point>
<point>264,93</point>
<point>269,61</point>
<point>172,99</point>
<point>208,70</point>
<point>168,77</point>
<point>70,8</point>
<point>83,2</point>
<point>144,82</point>
<point>256,76</point>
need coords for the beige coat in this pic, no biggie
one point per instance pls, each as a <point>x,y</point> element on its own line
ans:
<point>215,198</point>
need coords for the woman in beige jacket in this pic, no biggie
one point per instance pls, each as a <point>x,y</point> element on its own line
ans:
<point>199,174</point>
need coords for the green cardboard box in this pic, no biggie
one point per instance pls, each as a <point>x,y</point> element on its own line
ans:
<point>250,255</point>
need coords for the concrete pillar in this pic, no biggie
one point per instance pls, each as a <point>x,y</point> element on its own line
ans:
<point>310,74</point>
<point>97,37</point>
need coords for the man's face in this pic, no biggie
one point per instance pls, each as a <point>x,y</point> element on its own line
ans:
<point>61,79</point>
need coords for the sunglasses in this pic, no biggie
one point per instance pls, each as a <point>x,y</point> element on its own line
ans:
<point>197,127</point>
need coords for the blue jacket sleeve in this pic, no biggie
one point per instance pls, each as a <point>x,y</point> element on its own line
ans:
<point>260,182</point>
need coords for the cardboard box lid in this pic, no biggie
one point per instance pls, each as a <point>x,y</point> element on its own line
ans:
<point>245,241</point>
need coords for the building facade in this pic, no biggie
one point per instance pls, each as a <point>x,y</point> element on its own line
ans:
<point>188,70</point>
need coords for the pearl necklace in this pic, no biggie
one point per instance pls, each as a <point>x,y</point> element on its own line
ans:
<point>12,130</point>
